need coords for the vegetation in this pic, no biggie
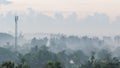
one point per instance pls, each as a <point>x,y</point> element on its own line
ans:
<point>42,58</point>
<point>56,53</point>
<point>93,63</point>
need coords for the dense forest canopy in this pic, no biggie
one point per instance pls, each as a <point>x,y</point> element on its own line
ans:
<point>65,51</point>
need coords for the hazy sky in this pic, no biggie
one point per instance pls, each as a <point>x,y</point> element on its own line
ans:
<point>82,7</point>
<point>79,11</point>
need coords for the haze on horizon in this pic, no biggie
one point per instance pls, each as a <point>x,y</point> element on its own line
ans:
<point>79,17</point>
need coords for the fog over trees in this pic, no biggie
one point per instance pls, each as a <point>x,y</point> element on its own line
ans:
<point>52,49</point>
<point>69,50</point>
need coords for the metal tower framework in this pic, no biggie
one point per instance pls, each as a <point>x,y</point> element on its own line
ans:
<point>16,32</point>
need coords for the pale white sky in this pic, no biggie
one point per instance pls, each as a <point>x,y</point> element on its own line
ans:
<point>82,7</point>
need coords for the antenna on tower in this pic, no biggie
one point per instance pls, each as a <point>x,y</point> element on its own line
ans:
<point>16,32</point>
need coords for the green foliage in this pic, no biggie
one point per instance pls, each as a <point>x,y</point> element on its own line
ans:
<point>43,58</point>
<point>101,64</point>
<point>8,65</point>
<point>50,64</point>
<point>58,65</point>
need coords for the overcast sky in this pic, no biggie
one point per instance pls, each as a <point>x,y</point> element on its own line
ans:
<point>97,17</point>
